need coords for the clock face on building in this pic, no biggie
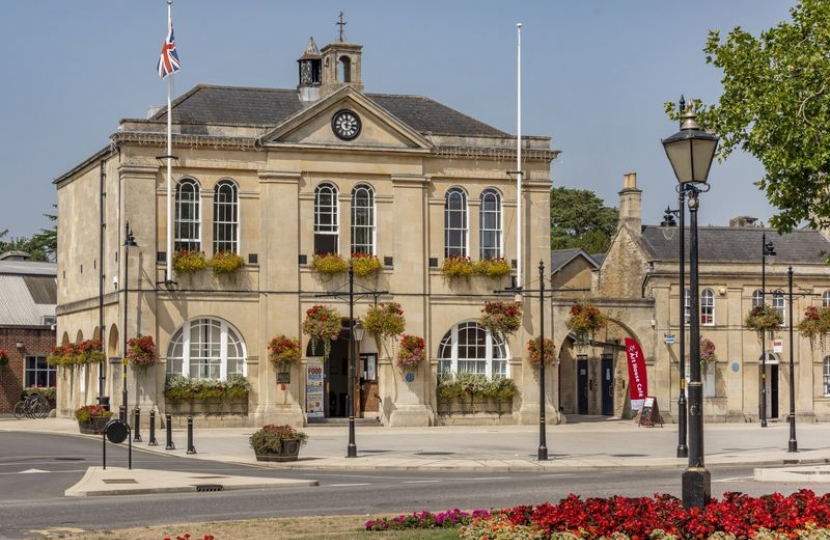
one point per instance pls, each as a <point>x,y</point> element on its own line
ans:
<point>346,124</point>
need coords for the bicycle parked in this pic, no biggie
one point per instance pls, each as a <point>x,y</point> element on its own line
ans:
<point>34,406</point>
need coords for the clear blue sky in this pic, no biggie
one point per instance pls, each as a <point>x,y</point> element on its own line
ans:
<point>596,75</point>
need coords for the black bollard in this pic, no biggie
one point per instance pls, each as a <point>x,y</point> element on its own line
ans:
<point>190,448</point>
<point>122,413</point>
<point>170,445</point>
<point>137,424</point>
<point>152,441</point>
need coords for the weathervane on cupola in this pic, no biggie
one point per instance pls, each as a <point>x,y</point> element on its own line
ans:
<point>342,24</point>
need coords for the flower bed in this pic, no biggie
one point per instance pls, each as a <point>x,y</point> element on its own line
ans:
<point>426,520</point>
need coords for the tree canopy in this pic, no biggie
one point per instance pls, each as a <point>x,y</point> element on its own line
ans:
<point>43,246</point>
<point>578,218</point>
<point>775,105</point>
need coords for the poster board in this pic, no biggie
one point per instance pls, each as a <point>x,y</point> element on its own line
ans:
<point>315,389</point>
<point>650,413</point>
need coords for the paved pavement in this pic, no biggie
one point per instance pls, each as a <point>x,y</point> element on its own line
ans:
<point>601,444</point>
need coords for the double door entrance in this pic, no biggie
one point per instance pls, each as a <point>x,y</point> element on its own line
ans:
<point>328,392</point>
<point>589,383</point>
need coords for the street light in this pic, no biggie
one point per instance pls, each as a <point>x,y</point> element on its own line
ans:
<point>355,336</point>
<point>690,152</point>
<point>129,241</point>
<point>767,249</point>
<point>792,445</point>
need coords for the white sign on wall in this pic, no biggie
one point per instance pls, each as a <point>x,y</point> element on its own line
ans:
<point>315,389</point>
<point>778,345</point>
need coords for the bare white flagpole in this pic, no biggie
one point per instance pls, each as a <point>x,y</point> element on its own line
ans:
<point>519,175</point>
<point>168,275</point>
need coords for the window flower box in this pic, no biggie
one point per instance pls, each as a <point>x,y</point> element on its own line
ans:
<point>189,262</point>
<point>365,265</point>
<point>226,263</point>
<point>454,267</point>
<point>329,264</point>
<point>494,268</point>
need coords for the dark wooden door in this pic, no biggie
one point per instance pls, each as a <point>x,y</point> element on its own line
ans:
<point>582,385</point>
<point>607,385</point>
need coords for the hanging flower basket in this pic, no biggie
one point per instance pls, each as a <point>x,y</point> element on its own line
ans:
<point>365,265</point>
<point>585,320</point>
<point>329,264</point>
<point>4,358</point>
<point>385,322</point>
<point>815,324</point>
<point>494,268</point>
<point>189,262</point>
<point>141,352</point>
<point>458,267</point>
<point>501,318</point>
<point>226,263</point>
<point>284,352</point>
<point>764,319</point>
<point>533,352</point>
<point>411,353</point>
<point>322,323</point>
<point>707,353</point>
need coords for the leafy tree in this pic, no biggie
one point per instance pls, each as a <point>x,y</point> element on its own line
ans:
<point>775,105</point>
<point>578,218</point>
<point>41,247</point>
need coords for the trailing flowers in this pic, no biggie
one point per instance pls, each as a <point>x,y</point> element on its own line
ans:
<point>284,351</point>
<point>411,352</point>
<point>501,318</point>
<point>322,323</point>
<point>385,322</point>
<point>534,354</point>
<point>141,352</point>
<point>816,323</point>
<point>71,354</point>
<point>585,319</point>
<point>764,319</point>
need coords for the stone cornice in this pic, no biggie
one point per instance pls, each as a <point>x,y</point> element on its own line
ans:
<point>279,177</point>
<point>496,154</point>
<point>216,142</point>
<point>409,180</point>
<point>132,169</point>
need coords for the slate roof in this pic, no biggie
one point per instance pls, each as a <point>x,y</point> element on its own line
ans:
<point>561,257</point>
<point>739,245</point>
<point>28,292</point>
<point>268,107</point>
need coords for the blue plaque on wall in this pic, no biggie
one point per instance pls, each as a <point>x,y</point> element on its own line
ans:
<point>735,367</point>
<point>409,376</point>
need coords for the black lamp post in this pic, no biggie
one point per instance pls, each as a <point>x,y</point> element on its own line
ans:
<point>766,249</point>
<point>690,152</point>
<point>543,443</point>
<point>355,336</point>
<point>792,445</point>
<point>129,241</point>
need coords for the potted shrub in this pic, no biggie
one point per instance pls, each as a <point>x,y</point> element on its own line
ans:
<point>501,318</point>
<point>277,443</point>
<point>585,319</point>
<point>329,264</point>
<point>365,265</point>
<point>226,263</point>
<point>816,323</point>
<point>494,268</point>
<point>322,323</point>
<point>411,353</point>
<point>458,267</point>
<point>284,352</point>
<point>92,419</point>
<point>764,319</point>
<point>189,262</point>
<point>707,353</point>
<point>385,322</point>
<point>141,352</point>
<point>534,353</point>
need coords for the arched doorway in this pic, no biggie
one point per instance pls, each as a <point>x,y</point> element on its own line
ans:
<point>333,389</point>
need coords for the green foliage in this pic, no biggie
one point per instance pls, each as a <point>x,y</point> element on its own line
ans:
<point>385,322</point>
<point>178,389</point>
<point>469,386</point>
<point>85,414</point>
<point>226,263</point>
<point>268,439</point>
<point>189,262</point>
<point>774,105</point>
<point>764,319</point>
<point>330,264</point>
<point>580,219</point>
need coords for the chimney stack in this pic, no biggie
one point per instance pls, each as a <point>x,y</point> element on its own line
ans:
<point>630,204</point>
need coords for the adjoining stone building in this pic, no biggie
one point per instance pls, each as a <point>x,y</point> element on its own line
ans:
<point>277,176</point>
<point>636,284</point>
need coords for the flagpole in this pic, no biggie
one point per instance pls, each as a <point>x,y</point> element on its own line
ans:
<point>519,174</point>
<point>168,274</point>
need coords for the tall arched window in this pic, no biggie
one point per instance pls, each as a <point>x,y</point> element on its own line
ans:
<point>206,349</point>
<point>326,219</point>
<point>226,217</point>
<point>490,225</point>
<point>825,299</point>
<point>187,235</point>
<point>779,306</point>
<point>363,220</point>
<point>455,223</point>
<point>707,307</point>
<point>470,348</point>
<point>826,379</point>
<point>757,299</point>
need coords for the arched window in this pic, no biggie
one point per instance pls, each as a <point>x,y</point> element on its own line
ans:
<point>757,298</point>
<point>490,224</point>
<point>326,220</point>
<point>344,69</point>
<point>363,220</point>
<point>455,223</point>
<point>226,217</point>
<point>825,299</point>
<point>186,234</point>
<point>778,305</point>
<point>469,348</point>
<point>826,376</point>
<point>206,349</point>
<point>707,307</point>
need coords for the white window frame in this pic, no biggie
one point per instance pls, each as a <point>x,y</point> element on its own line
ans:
<point>332,228</point>
<point>779,303</point>
<point>452,251</point>
<point>183,336</point>
<point>498,231</point>
<point>450,341</point>
<point>371,227</point>
<point>707,295</point>
<point>231,225</point>
<point>825,299</point>
<point>757,298</point>
<point>196,202</point>
<point>826,377</point>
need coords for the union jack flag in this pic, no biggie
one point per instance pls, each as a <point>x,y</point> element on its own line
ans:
<point>169,60</point>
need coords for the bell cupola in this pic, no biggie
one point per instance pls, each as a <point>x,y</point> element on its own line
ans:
<point>311,72</point>
<point>341,64</point>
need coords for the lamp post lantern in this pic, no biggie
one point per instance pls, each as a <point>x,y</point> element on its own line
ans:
<point>792,445</point>
<point>690,152</point>
<point>129,241</point>
<point>767,249</point>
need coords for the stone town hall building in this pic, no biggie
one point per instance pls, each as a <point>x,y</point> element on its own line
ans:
<point>276,176</point>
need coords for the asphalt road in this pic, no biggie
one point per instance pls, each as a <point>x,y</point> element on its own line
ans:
<point>33,501</point>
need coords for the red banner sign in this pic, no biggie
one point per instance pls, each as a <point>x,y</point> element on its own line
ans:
<point>638,381</point>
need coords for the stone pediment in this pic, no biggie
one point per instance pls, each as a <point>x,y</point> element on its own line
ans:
<point>314,126</point>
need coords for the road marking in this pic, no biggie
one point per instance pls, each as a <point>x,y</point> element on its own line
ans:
<point>733,479</point>
<point>422,482</point>
<point>30,471</point>
<point>349,485</point>
<point>57,531</point>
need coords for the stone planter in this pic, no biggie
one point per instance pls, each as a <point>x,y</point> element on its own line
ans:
<point>290,452</point>
<point>95,426</point>
<point>206,407</point>
<point>477,405</point>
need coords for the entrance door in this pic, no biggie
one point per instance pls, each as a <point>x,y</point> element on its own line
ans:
<point>582,385</point>
<point>772,391</point>
<point>337,380</point>
<point>607,385</point>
